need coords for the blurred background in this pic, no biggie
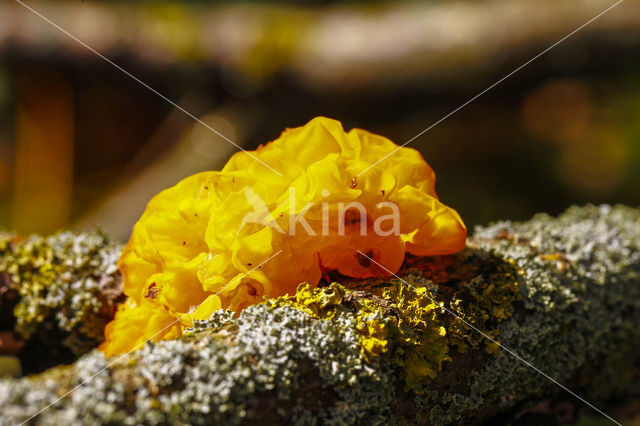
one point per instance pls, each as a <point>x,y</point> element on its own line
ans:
<point>82,144</point>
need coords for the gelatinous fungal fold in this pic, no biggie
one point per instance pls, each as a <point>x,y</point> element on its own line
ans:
<point>227,239</point>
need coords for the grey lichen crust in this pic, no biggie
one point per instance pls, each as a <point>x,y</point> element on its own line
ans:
<point>207,379</point>
<point>581,292</point>
<point>576,320</point>
<point>68,286</point>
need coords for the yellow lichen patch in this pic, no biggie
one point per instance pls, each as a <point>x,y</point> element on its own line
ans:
<point>320,303</point>
<point>409,327</point>
<point>374,340</point>
<point>409,331</point>
<point>421,337</point>
<point>230,238</point>
<point>488,304</point>
<point>324,303</point>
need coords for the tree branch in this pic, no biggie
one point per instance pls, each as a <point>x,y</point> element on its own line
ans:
<point>564,294</point>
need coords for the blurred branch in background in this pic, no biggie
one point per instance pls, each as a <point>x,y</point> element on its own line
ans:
<point>351,45</point>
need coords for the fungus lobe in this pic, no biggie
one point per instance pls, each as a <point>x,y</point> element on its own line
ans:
<point>253,233</point>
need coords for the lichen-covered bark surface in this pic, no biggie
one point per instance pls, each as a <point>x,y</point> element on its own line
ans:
<point>56,296</point>
<point>563,293</point>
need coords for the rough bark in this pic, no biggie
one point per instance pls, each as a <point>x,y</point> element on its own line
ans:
<point>563,293</point>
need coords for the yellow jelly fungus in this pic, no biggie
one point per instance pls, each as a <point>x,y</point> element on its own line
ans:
<point>227,239</point>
